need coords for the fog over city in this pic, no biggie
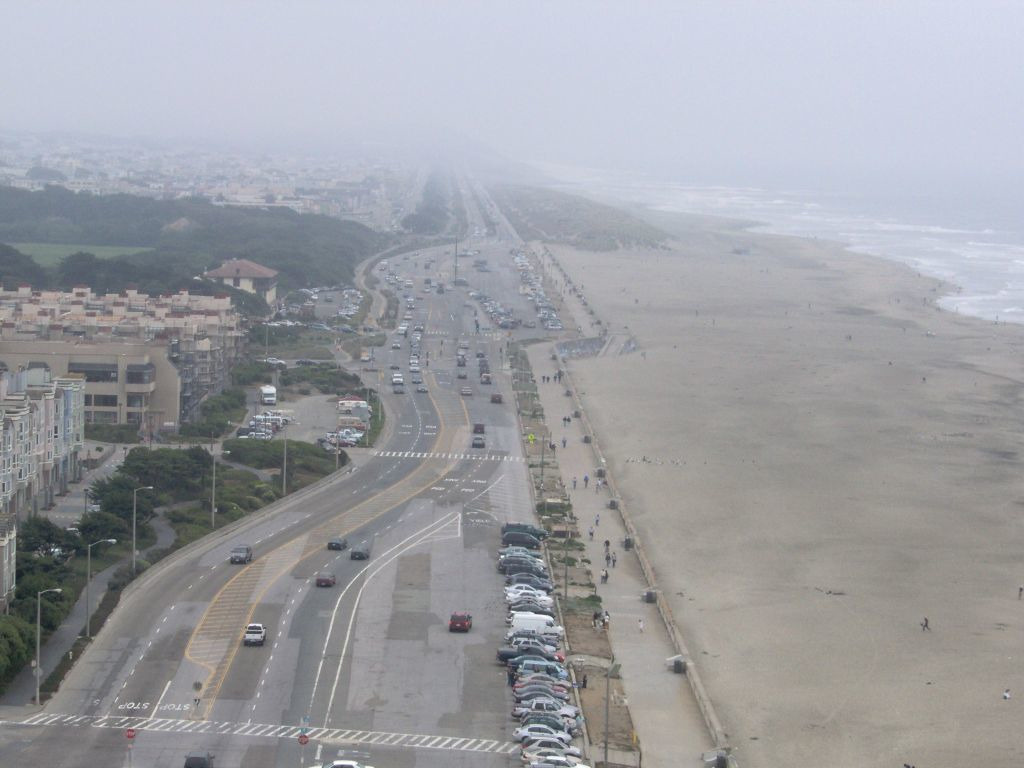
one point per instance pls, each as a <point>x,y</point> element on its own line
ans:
<point>820,94</point>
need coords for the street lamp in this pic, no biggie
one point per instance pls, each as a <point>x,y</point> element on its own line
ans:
<point>88,578</point>
<point>613,669</point>
<point>39,615</point>
<point>284,470</point>
<point>213,488</point>
<point>135,505</point>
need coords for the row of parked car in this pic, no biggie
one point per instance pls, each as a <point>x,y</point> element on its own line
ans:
<point>546,721</point>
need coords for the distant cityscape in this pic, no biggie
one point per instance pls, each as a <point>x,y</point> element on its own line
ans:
<point>360,190</point>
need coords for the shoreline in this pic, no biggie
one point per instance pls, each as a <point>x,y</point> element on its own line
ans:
<point>812,448</point>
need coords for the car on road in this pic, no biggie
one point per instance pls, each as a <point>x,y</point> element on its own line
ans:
<point>395,367</point>
<point>422,389</point>
<point>325,579</point>
<point>466,392</point>
<point>199,760</point>
<point>416,379</point>
<point>460,621</point>
<point>305,362</point>
<point>255,634</point>
<point>344,764</point>
<point>461,375</point>
<point>338,543</point>
<point>396,345</point>
<point>496,397</point>
<point>241,555</point>
<point>478,442</point>
<point>275,361</point>
<point>361,551</point>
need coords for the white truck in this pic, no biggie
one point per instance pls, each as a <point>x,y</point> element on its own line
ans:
<point>268,395</point>
<point>255,634</point>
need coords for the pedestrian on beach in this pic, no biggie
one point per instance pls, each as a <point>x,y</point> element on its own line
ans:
<point>607,545</point>
<point>614,559</point>
<point>607,559</point>
<point>604,576</point>
<point>586,481</point>
<point>1006,695</point>
<point>597,519</point>
<point>574,482</point>
<point>597,618</point>
<point>640,623</point>
<point>590,532</point>
<point>924,625</point>
<point>563,442</point>
<point>606,619</point>
<point>1020,591</point>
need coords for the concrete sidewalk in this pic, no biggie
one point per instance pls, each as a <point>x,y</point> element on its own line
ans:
<point>666,717</point>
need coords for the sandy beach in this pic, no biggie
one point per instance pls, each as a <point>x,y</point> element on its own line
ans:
<point>817,458</point>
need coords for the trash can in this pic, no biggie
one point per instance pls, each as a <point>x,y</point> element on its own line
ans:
<point>575,414</point>
<point>599,471</point>
<point>586,438</point>
<point>613,503</point>
<point>650,596</point>
<point>679,666</point>
<point>627,543</point>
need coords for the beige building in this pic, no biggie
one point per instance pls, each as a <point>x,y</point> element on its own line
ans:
<point>247,276</point>
<point>145,360</point>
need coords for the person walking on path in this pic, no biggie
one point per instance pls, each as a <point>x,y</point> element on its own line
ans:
<point>1006,695</point>
<point>607,559</point>
<point>597,519</point>
<point>574,482</point>
<point>1020,591</point>
<point>563,442</point>
<point>640,623</point>
<point>590,532</point>
<point>606,620</point>
<point>924,625</point>
<point>614,559</point>
<point>607,545</point>
<point>586,481</point>
<point>511,676</point>
<point>597,618</point>
<point>604,576</point>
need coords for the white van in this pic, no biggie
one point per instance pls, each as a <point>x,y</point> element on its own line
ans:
<point>397,378</point>
<point>537,622</point>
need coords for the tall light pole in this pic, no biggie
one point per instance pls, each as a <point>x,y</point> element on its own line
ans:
<point>88,578</point>
<point>39,616</point>
<point>213,488</point>
<point>135,506</point>
<point>284,470</point>
<point>613,669</point>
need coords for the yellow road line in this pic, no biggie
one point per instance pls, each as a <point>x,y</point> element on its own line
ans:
<point>222,621</point>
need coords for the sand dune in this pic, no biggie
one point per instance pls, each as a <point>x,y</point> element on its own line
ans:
<point>830,459</point>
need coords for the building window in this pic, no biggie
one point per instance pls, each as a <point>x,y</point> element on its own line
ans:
<point>140,374</point>
<point>136,401</point>
<point>95,372</point>
<point>105,401</point>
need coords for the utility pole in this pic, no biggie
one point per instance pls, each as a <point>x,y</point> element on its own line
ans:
<point>284,470</point>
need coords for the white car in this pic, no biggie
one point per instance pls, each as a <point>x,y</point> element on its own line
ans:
<point>541,599</point>
<point>557,761</point>
<point>539,729</point>
<point>541,748</point>
<point>545,756</point>
<point>525,590</point>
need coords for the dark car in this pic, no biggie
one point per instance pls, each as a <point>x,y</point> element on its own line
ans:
<point>530,580</point>
<point>531,606</point>
<point>506,653</point>
<point>199,760</point>
<point>305,362</point>
<point>520,539</point>
<point>360,552</point>
<point>325,579</point>
<point>510,565</point>
<point>533,530</point>
<point>241,554</point>
<point>460,622</point>
<point>338,544</point>
<point>478,442</point>
<point>496,397</point>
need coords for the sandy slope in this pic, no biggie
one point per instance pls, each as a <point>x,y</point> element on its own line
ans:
<point>831,459</point>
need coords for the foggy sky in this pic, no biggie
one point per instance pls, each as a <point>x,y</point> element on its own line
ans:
<point>741,89</point>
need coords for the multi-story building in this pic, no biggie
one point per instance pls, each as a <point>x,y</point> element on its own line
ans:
<point>144,360</point>
<point>42,434</point>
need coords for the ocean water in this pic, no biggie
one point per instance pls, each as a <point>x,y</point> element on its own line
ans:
<point>978,249</point>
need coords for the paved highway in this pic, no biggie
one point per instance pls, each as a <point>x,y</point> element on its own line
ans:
<point>368,666</point>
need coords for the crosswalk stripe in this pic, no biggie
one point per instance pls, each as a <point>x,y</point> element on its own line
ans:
<point>273,731</point>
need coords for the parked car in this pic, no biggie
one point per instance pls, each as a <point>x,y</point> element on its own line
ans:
<point>460,621</point>
<point>550,706</point>
<point>525,731</point>
<point>533,530</point>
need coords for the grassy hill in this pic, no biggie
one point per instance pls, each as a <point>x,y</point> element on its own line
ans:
<point>179,239</point>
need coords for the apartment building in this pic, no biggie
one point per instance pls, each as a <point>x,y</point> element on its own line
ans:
<point>145,360</point>
<point>42,436</point>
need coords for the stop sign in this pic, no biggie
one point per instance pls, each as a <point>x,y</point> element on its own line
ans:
<point>303,739</point>
<point>129,733</point>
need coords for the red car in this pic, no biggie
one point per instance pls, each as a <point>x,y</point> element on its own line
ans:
<point>460,622</point>
<point>325,580</point>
